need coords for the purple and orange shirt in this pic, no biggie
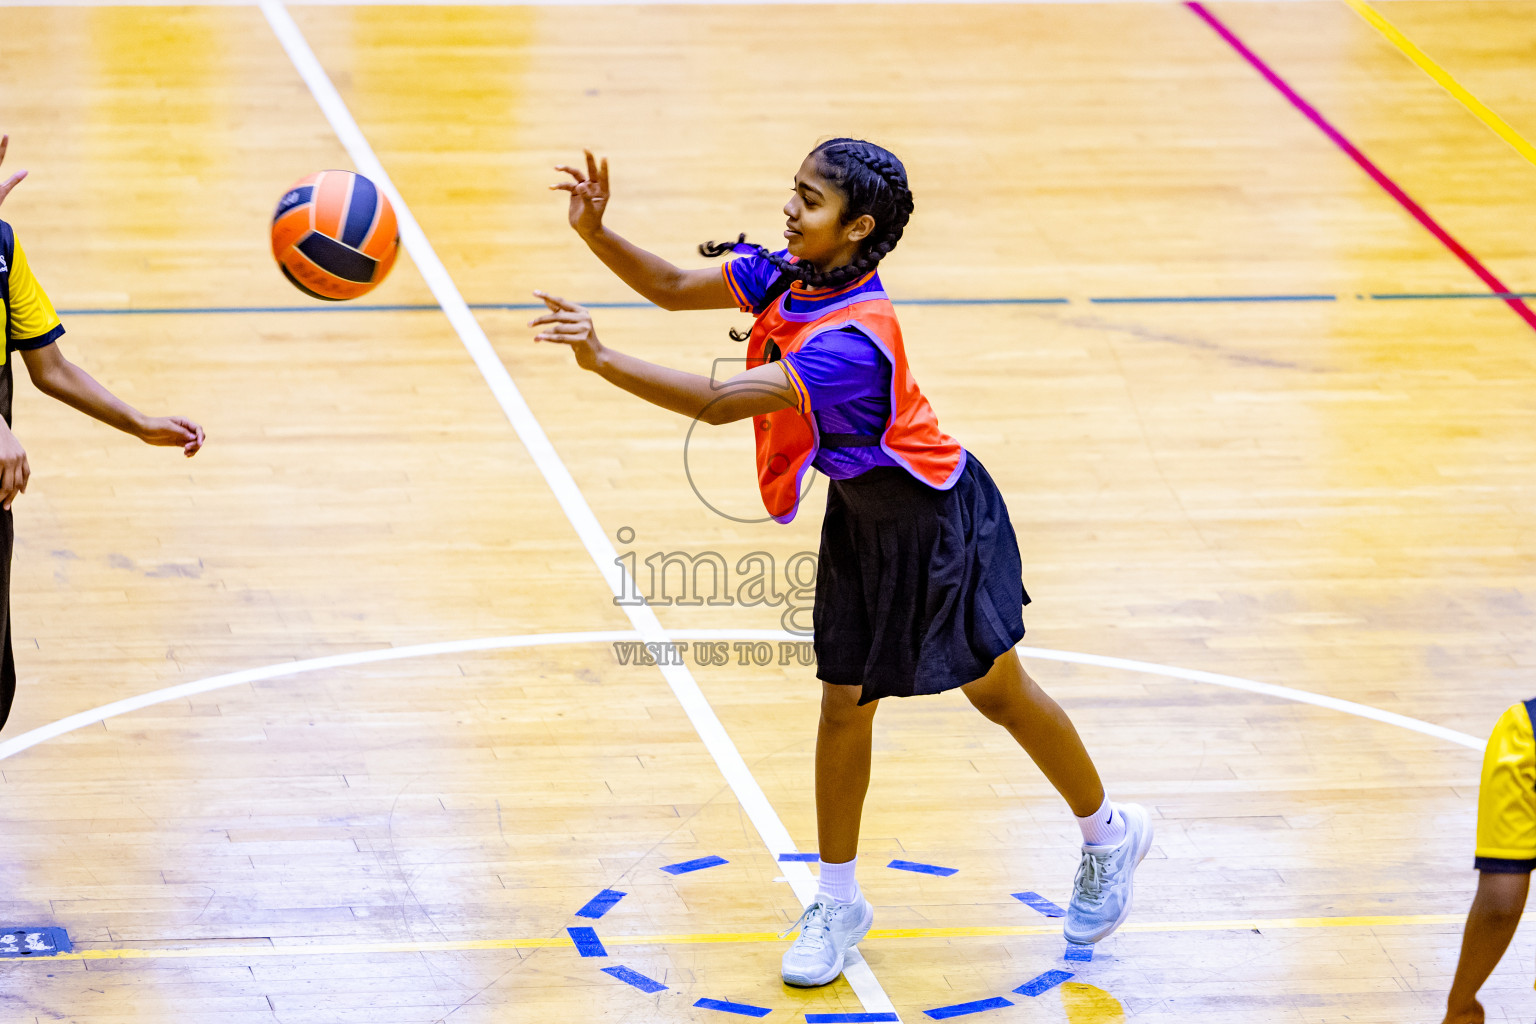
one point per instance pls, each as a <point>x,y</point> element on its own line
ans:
<point>841,376</point>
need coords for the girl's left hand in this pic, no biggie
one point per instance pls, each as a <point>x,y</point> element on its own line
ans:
<point>569,324</point>
<point>13,180</point>
<point>169,431</point>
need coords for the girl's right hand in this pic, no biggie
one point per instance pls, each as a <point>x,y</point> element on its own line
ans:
<point>14,471</point>
<point>589,195</point>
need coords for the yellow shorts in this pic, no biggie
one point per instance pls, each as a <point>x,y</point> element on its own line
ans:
<point>1506,800</point>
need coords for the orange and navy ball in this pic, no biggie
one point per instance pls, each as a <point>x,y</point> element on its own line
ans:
<point>334,235</point>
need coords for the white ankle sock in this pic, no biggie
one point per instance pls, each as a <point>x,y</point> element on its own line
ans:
<point>1104,827</point>
<point>837,883</point>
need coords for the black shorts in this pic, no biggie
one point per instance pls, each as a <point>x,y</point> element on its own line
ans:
<point>917,590</point>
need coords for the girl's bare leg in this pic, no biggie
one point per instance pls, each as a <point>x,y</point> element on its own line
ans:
<point>1009,697</point>
<point>843,743</point>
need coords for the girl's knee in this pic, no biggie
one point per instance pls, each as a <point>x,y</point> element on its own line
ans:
<point>840,706</point>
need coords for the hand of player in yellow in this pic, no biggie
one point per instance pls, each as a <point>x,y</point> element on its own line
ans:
<point>169,431</point>
<point>14,470</point>
<point>5,190</point>
<point>569,324</point>
<point>589,194</point>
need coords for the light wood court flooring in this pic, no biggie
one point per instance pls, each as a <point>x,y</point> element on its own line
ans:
<point>1332,495</point>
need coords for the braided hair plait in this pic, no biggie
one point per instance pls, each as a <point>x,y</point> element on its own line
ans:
<point>872,181</point>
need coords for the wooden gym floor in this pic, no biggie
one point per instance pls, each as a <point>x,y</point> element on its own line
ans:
<point>1327,487</point>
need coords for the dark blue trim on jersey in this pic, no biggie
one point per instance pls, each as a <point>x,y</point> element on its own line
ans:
<point>41,341</point>
<point>1502,866</point>
<point>365,203</point>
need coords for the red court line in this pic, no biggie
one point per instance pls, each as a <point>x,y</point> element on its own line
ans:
<point>1377,175</point>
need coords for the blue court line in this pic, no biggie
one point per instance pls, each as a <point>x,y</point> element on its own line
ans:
<point>745,1009</point>
<point>600,904</point>
<point>1082,953</point>
<point>1137,299</point>
<point>1389,296</point>
<point>807,858</point>
<point>849,1018</point>
<point>961,1009</point>
<point>1043,983</point>
<point>1035,901</point>
<point>694,865</point>
<point>923,869</point>
<point>635,978</point>
<point>347,307</point>
<point>587,942</point>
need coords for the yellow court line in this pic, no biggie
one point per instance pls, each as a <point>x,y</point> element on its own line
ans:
<point>985,931</point>
<point>1478,108</point>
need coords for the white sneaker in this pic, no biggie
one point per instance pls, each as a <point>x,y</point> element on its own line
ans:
<point>1101,893</point>
<point>827,932</point>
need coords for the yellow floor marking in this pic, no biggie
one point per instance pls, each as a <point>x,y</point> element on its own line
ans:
<point>1478,108</point>
<point>984,931</point>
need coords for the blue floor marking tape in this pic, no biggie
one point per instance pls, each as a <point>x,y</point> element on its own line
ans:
<point>961,1009</point>
<point>1112,300</point>
<point>922,869</point>
<point>1083,954</point>
<point>43,940</point>
<point>808,858</point>
<point>635,978</point>
<point>1043,983</point>
<point>744,1009</point>
<point>587,942</point>
<point>600,904</point>
<point>1129,300</point>
<point>694,865</point>
<point>849,1018</point>
<point>1035,901</point>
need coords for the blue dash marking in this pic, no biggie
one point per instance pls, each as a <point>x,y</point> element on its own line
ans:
<point>587,942</point>
<point>961,1009</point>
<point>39,941</point>
<point>1453,295</point>
<point>809,858</point>
<point>1044,983</point>
<point>694,865</point>
<point>1035,901</point>
<point>1134,299</point>
<point>635,978</point>
<point>600,904</point>
<point>922,869</point>
<point>1082,953</point>
<point>849,1018</point>
<point>745,1009</point>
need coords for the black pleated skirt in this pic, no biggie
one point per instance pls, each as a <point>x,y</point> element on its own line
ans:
<point>917,590</point>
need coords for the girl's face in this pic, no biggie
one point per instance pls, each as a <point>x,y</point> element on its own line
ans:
<point>815,231</point>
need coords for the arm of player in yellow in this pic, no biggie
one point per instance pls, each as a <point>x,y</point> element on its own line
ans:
<point>59,378</point>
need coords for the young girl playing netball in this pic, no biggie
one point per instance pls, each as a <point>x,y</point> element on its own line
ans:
<point>919,587</point>
<point>33,329</point>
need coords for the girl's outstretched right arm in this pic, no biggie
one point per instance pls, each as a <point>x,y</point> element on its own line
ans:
<point>668,286</point>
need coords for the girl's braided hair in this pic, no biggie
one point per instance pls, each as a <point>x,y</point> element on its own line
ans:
<point>872,181</point>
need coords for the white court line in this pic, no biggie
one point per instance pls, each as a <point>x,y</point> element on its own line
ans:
<point>737,775</point>
<point>42,734</point>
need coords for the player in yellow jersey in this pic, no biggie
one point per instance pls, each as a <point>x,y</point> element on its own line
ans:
<point>1506,854</point>
<point>33,329</point>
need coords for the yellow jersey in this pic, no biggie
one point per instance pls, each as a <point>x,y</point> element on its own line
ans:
<point>1506,800</point>
<point>29,317</point>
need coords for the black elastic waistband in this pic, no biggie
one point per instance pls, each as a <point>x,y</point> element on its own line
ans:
<point>850,441</point>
